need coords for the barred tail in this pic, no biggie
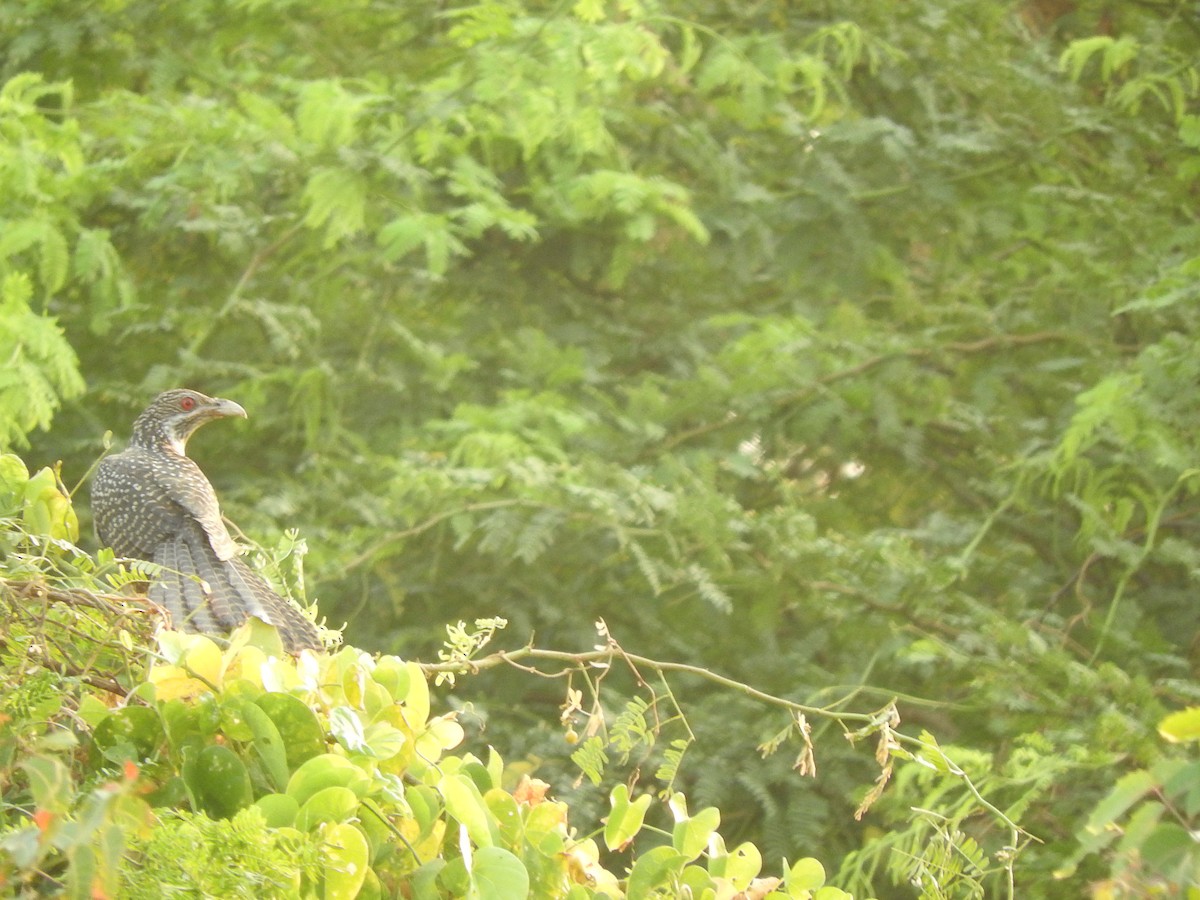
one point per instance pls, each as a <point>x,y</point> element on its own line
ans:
<point>213,596</point>
<point>260,600</point>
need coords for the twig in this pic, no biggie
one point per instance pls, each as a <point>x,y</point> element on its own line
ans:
<point>421,527</point>
<point>993,342</point>
<point>604,657</point>
<point>67,669</point>
<point>31,602</point>
<point>260,256</point>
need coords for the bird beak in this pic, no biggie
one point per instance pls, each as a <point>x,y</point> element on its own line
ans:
<point>224,408</point>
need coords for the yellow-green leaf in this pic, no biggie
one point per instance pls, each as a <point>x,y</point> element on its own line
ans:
<point>1181,726</point>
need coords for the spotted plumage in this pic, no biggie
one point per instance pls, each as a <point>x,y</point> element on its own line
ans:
<point>152,502</point>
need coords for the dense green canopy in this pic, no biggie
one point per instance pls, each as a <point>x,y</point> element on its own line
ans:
<point>848,350</point>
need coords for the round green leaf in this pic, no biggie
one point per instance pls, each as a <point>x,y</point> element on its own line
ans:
<point>440,735</point>
<point>218,781</point>
<point>425,805</point>
<point>233,719</point>
<point>383,741</point>
<point>48,510</point>
<point>134,732</point>
<point>1167,846</point>
<point>325,771</point>
<point>696,879</point>
<point>498,875</point>
<point>454,879</point>
<point>346,858</point>
<point>268,744</point>
<point>416,698</point>
<point>740,866</point>
<point>279,810</point>
<point>393,675</point>
<point>1181,726</point>
<point>478,773</point>
<point>302,734</point>
<point>333,804</point>
<point>372,887</point>
<point>543,828</point>
<point>806,875</point>
<point>506,815</point>
<point>190,724</point>
<point>495,767</point>
<point>346,726</point>
<point>13,476</point>
<point>424,881</point>
<point>626,817</point>
<point>653,869</point>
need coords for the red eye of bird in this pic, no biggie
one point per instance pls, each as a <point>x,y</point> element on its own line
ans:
<point>187,404</point>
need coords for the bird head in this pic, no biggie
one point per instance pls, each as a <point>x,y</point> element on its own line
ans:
<point>174,416</point>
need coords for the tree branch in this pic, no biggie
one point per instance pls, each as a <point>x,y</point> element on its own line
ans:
<point>606,656</point>
<point>982,345</point>
<point>31,600</point>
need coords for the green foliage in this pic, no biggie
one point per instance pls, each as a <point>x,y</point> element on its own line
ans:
<point>1171,79</point>
<point>42,369</point>
<point>840,353</point>
<point>1147,821</point>
<point>231,772</point>
<point>239,856</point>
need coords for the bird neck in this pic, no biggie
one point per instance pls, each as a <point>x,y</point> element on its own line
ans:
<point>157,436</point>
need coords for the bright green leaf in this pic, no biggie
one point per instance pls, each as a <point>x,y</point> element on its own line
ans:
<point>625,819</point>
<point>346,861</point>
<point>691,835</point>
<point>1181,726</point>
<point>498,875</point>
<point>465,803</point>
<point>805,875</point>
<point>654,869</point>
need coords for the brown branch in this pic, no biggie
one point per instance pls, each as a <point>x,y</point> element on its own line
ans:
<point>982,345</point>
<point>392,537</point>
<point>67,669</point>
<point>30,604</point>
<point>604,658</point>
<point>260,256</point>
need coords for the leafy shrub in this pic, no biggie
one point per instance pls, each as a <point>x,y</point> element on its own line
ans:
<point>179,766</point>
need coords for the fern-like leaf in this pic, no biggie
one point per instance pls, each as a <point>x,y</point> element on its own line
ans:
<point>591,759</point>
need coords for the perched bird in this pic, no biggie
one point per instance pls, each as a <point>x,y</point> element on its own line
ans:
<point>151,502</point>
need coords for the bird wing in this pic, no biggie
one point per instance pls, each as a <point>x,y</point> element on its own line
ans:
<point>142,499</point>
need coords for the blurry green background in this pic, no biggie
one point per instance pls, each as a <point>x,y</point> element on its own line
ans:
<point>846,349</point>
